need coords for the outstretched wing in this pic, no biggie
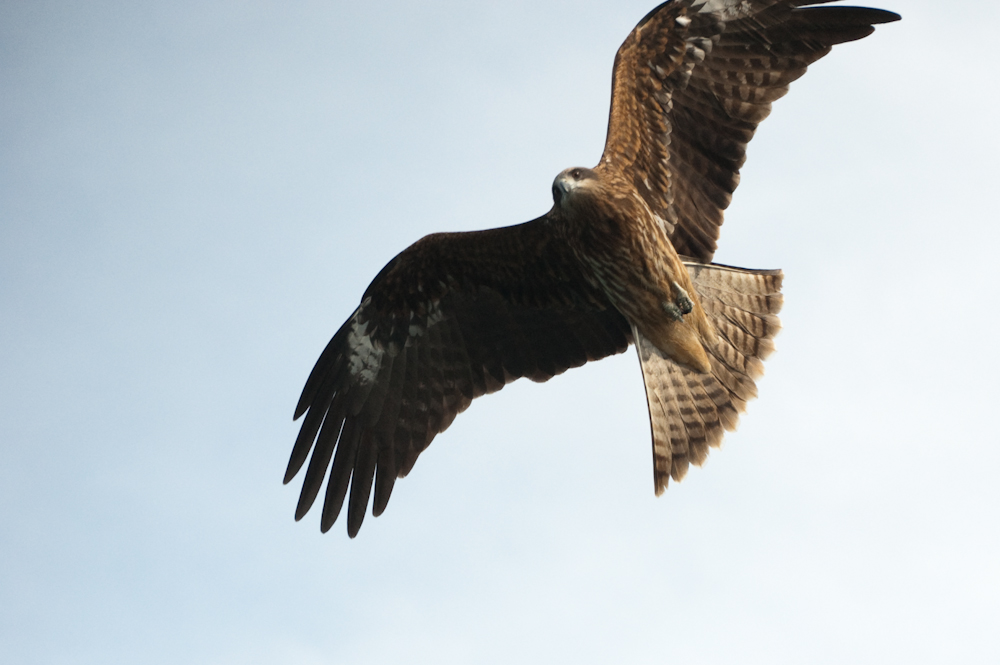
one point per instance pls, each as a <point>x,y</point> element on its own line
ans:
<point>454,316</point>
<point>689,411</point>
<point>691,83</point>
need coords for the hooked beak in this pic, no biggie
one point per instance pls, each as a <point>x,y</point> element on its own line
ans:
<point>557,193</point>
<point>562,186</point>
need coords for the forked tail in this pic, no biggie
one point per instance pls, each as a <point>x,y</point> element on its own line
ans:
<point>689,411</point>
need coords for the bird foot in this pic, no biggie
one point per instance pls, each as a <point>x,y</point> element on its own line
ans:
<point>683,300</point>
<point>673,311</point>
<point>680,306</point>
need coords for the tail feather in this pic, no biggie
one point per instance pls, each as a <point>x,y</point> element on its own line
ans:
<point>690,411</point>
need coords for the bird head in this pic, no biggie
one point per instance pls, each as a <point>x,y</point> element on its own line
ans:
<point>570,182</point>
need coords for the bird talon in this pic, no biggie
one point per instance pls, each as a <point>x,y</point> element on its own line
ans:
<point>673,311</point>
<point>683,300</point>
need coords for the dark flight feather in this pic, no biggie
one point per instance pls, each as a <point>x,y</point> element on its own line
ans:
<point>480,309</point>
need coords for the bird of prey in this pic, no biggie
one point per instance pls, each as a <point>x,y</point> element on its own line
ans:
<point>623,256</point>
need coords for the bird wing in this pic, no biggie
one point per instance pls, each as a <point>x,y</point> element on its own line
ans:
<point>452,317</point>
<point>689,411</point>
<point>691,83</point>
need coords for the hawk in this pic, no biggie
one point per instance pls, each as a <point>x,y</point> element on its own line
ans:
<point>624,256</point>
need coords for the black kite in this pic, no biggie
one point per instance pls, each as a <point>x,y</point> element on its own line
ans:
<point>623,256</point>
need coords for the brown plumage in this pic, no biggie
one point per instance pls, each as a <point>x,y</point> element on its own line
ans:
<point>623,256</point>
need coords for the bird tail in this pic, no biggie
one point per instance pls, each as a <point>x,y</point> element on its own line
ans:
<point>689,411</point>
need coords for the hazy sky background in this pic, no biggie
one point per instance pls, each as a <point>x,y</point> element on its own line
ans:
<point>193,197</point>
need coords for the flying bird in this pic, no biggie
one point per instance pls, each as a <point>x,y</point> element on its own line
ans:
<point>623,257</point>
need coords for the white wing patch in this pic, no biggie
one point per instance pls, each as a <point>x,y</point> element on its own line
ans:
<point>366,356</point>
<point>729,9</point>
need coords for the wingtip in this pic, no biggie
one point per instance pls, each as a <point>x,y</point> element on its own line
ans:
<point>292,470</point>
<point>889,17</point>
<point>304,402</point>
<point>327,520</point>
<point>355,517</point>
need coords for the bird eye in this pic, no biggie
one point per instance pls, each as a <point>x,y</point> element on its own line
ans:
<point>576,174</point>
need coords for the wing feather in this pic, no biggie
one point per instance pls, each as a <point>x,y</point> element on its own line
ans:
<point>361,482</point>
<point>451,318</point>
<point>322,452</point>
<point>385,477</point>
<point>692,82</point>
<point>340,475</point>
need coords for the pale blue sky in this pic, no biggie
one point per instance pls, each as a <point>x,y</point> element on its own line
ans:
<point>193,196</point>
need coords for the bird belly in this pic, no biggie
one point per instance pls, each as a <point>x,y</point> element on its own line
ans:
<point>644,288</point>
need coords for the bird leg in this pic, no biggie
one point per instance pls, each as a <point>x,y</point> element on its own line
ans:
<point>680,306</point>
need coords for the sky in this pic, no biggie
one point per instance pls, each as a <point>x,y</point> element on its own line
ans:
<point>193,197</point>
